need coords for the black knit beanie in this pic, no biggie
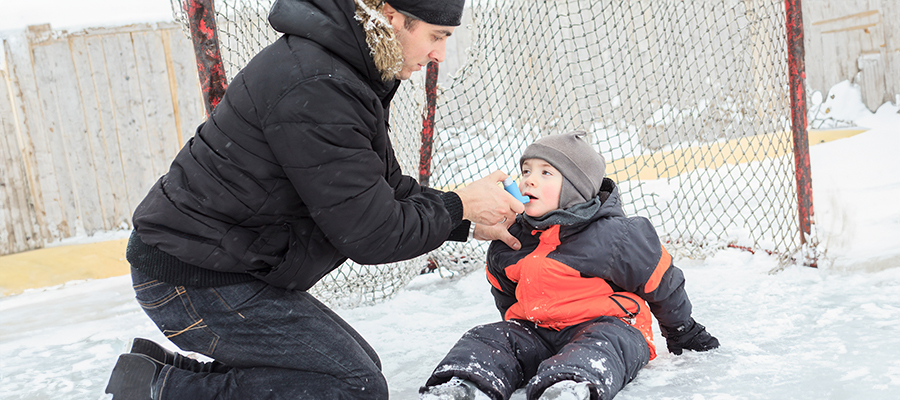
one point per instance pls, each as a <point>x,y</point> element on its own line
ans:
<point>435,12</point>
<point>581,166</point>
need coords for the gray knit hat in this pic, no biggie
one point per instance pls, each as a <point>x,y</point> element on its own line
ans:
<point>581,166</point>
<point>435,12</point>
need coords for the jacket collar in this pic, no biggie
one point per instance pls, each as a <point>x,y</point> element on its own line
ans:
<point>354,30</point>
<point>574,219</point>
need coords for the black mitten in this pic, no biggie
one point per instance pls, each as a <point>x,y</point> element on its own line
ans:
<point>691,336</point>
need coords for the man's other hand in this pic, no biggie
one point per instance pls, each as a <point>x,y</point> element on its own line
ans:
<point>497,232</point>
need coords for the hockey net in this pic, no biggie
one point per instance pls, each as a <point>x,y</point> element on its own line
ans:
<point>687,100</point>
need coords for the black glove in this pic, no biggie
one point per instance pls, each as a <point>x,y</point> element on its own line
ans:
<point>691,336</point>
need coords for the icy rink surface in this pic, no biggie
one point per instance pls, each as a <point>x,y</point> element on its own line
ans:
<point>799,334</point>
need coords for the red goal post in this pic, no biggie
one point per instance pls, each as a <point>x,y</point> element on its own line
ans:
<point>698,106</point>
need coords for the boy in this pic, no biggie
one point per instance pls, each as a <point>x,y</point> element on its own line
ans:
<point>574,298</point>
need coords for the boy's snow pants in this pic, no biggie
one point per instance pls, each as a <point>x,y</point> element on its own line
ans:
<point>503,356</point>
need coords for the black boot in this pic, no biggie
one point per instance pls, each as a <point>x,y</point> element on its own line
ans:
<point>159,353</point>
<point>134,378</point>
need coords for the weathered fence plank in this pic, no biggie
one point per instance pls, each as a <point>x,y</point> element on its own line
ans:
<point>184,84</point>
<point>17,219</point>
<point>104,209</point>
<point>56,179</point>
<point>26,232</point>
<point>127,105</point>
<point>159,113</point>
<point>30,120</point>
<point>108,136</point>
<point>892,48</point>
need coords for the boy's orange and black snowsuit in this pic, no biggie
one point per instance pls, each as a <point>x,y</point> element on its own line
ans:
<point>576,303</point>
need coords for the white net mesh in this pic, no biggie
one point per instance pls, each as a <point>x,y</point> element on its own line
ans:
<point>687,100</point>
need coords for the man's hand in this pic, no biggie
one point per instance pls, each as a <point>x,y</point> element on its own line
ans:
<point>486,203</point>
<point>498,232</point>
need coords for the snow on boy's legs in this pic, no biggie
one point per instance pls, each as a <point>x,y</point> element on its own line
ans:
<point>497,358</point>
<point>567,390</point>
<point>454,389</point>
<point>606,353</point>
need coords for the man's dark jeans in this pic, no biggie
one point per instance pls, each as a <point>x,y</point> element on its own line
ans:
<point>281,344</point>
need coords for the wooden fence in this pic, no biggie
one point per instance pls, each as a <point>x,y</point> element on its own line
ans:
<point>854,40</point>
<point>88,122</point>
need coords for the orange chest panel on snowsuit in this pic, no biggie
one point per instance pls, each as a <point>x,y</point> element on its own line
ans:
<point>554,295</point>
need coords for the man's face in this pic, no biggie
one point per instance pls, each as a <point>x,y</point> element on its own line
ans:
<point>422,43</point>
<point>542,184</point>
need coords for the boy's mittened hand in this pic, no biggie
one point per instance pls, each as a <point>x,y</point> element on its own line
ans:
<point>690,336</point>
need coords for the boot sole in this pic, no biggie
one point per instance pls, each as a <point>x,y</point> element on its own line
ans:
<point>153,350</point>
<point>132,377</point>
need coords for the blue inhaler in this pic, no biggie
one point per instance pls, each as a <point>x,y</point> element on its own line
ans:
<point>510,185</point>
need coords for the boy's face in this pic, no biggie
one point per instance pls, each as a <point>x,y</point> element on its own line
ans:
<point>542,184</point>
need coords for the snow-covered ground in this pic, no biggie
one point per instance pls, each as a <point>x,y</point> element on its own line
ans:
<point>801,333</point>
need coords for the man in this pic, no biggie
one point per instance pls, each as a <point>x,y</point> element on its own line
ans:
<point>292,174</point>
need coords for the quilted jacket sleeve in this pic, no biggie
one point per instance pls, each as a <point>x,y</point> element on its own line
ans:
<point>330,151</point>
<point>646,269</point>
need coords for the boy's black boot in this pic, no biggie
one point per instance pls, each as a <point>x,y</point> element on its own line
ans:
<point>134,378</point>
<point>159,353</point>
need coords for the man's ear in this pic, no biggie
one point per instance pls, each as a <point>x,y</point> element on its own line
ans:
<point>389,13</point>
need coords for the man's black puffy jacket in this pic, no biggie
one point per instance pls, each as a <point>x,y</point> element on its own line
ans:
<point>294,171</point>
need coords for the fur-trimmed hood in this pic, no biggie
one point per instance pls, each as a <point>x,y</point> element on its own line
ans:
<point>355,30</point>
